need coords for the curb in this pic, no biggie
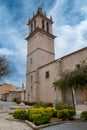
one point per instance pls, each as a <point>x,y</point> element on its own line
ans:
<point>34,127</point>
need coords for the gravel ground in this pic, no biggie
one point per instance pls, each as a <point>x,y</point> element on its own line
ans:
<point>11,125</point>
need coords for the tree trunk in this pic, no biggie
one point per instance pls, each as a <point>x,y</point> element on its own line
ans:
<point>73,98</point>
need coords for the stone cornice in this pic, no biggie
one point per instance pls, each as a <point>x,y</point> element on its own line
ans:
<point>41,31</point>
<point>41,15</point>
<point>30,72</point>
<point>42,50</point>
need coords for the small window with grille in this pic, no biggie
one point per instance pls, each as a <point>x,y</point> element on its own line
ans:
<point>47,75</point>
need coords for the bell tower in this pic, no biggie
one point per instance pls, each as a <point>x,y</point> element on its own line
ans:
<point>40,51</point>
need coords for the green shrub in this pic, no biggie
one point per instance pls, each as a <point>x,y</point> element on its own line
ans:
<point>62,114</point>
<point>70,113</point>
<point>40,115</point>
<point>20,114</point>
<point>34,111</point>
<point>40,104</point>
<point>66,114</point>
<point>53,111</point>
<point>49,112</point>
<point>63,105</point>
<point>37,119</point>
<point>83,115</point>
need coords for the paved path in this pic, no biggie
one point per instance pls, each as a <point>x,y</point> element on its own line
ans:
<point>11,125</point>
<point>4,106</point>
<point>7,124</point>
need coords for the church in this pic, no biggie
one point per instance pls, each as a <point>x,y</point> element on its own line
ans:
<point>42,68</point>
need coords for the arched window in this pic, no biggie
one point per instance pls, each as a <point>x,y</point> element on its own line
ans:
<point>31,27</point>
<point>43,24</point>
<point>47,27</point>
<point>34,24</point>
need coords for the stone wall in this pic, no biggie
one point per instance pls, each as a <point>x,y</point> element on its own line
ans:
<point>13,95</point>
<point>69,62</point>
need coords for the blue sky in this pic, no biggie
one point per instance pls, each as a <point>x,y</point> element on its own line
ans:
<point>70,25</point>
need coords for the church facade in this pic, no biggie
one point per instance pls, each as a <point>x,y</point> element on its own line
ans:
<point>42,68</point>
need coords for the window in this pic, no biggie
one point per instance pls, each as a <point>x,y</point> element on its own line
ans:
<point>31,88</point>
<point>47,75</point>
<point>31,27</point>
<point>31,60</point>
<point>43,25</point>
<point>31,78</point>
<point>47,27</point>
<point>35,24</point>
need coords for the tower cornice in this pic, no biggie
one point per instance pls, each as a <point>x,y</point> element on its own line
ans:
<point>41,31</point>
<point>41,14</point>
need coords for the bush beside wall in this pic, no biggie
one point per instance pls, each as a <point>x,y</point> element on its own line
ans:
<point>65,114</point>
<point>83,115</point>
<point>63,105</point>
<point>20,114</point>
<point>40,115</point>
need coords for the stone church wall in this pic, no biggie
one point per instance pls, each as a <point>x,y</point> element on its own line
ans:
<point>69,62</point>
<point>46,90</point>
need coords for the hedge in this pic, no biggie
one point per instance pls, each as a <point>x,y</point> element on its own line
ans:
<point>43,115</point>
<point>63,105</point>
<point>40,115</point>
<point>65,114</point>
<point>83,115</point>
<point>20,114</point>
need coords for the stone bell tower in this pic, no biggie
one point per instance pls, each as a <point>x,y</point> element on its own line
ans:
<point>40,51</point>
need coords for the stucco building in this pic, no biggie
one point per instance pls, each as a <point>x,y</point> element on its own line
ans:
<point>42,68</point>
<point>6,88</point>
<point>8,92</point>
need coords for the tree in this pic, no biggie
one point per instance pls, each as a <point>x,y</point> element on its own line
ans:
<point>4,67</point>
<point>75,79</point>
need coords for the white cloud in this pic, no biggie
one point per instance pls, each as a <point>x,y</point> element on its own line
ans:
<point>5,51</point>
<point>84,10</point>
<point>57,11</point>
<point>13,45</point>
<point>70,38</point>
